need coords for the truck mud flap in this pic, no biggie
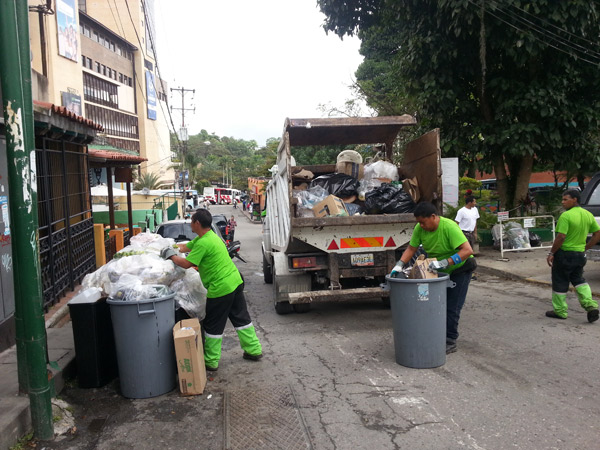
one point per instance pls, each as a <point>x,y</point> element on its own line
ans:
<point>343,295</point>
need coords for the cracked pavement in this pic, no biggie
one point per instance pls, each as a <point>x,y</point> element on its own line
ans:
<point>518,379</point>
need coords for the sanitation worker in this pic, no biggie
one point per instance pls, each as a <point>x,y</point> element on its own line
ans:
<point>225,296</point>
<point>567,257</point>
<point>443,239</point>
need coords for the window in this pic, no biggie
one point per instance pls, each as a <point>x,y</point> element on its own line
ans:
<point>101,39</point>
<point>86,31</point>
<point>120,77</point>
<point>95,36</point>
<point>100,91</point>
<point>83,60</point>
<point>98,67</point>
<point>112,46</point>
<point>103,69</point>
<point>89,63</point>
<point>119,50</point>
<point>115,123</point>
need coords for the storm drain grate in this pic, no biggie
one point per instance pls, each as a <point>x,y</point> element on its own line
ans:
<point>264,419</point>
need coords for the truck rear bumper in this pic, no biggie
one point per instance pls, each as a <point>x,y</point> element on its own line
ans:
<point>339,295</point>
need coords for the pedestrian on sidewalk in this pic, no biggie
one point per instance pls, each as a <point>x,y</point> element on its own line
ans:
<point>442,239</point>
<point>466,218</point>
<point>567,257</point>
<point>225,296</point>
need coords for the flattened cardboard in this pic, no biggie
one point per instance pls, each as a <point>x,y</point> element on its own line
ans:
<point>189,353</point>
<point>331,206</point>
<point>421,270</point>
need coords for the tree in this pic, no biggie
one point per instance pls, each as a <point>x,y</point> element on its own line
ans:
<point>147,180</point>
<point>510,83</point>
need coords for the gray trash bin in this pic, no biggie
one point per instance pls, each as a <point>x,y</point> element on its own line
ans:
<point>144,341</point>
<point>419,320</point>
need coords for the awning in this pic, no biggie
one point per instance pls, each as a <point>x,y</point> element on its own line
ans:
<point>101,190</point>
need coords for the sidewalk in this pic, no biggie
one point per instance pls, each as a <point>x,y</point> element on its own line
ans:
<point>530,266</point>
<point>15,419</point>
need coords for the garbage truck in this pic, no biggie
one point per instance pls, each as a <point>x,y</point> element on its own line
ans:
<point>340,258</point>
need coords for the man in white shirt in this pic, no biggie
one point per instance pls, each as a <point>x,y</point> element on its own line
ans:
<point>466,218</point>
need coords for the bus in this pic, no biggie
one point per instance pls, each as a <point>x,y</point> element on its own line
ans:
<point>221,196</point>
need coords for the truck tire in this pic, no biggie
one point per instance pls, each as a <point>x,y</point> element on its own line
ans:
<point>280,307</point>
<point>301,308</point>
<point>283,308</point>
<point>267,269</point>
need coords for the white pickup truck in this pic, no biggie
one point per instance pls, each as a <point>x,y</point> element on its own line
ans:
<point>310,259</point>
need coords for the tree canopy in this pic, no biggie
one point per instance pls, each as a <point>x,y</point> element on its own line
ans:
<point>510,83</point>
<point>210,158</point>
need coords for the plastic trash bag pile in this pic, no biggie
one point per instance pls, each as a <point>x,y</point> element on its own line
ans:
<point>131,276</point>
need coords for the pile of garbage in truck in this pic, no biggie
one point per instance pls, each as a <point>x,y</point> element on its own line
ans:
<point>353,189</point>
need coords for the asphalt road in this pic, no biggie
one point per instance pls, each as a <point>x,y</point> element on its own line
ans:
<point>518,380</point>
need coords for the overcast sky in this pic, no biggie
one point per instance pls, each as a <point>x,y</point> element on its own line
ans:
<point>252,63</point>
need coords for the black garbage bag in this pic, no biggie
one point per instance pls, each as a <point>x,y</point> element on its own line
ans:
<point>388,199</point>
<point>353,209</point>
<point>338,184</point>
<point>535,240</point>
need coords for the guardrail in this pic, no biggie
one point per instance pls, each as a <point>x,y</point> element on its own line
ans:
<point>528,222</point>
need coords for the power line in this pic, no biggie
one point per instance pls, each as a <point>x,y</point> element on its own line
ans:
<point>547,33</point>
<point>554,26</point>
<point>555,42</point>
<point>136,75</point>
<point>155,58</point>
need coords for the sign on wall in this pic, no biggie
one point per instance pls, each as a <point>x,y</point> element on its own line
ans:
<point>72,102</point>
<point>150,95</point>
<point>68,31</point>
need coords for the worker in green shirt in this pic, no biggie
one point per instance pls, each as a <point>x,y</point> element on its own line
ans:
<point>567,257</point>
<point>225,290</point>
<point>444,240</point>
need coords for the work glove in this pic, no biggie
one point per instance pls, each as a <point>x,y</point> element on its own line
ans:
<point>437,265</point>
<point>397,271</point>
<point>167,252</point>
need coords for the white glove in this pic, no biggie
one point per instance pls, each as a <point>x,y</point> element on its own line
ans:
<point>397,270</point>
<point>167,252</point>
<point>437,265</point>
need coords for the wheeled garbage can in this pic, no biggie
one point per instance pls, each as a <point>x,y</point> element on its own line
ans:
<point>144,340</point>
<point>419,320</point>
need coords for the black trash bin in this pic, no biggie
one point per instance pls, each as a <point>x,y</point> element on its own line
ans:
<point>95,352</point>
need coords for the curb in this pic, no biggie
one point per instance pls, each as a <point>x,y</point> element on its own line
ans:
<point>511,276</point>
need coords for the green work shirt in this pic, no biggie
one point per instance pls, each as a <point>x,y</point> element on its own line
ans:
<point>217,271</point>
<point>441,243</point>
<point>576,223</point>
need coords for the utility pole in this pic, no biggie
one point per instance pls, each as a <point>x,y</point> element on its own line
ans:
<point>15,73</point>
<point>183,137</point>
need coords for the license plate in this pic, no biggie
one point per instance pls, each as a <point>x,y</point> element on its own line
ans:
<point>362,259</point>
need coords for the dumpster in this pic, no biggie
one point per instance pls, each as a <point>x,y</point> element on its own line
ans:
<point>143,332</point>
<point>94,341</point>
<point>419,320</point>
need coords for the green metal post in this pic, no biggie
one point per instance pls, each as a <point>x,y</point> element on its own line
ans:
<point>15,72</point>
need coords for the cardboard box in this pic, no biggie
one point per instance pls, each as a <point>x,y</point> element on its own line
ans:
<point>411,186</point>
<point>421,270</point>
<point>331,206</point>
<point>189,353</point>
<point>356,170</point>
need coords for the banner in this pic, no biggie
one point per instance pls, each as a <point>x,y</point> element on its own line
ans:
<point>68,31</point>
<point>150,95</point>
<point>72,102</point>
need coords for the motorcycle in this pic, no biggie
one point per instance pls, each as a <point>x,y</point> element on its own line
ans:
<point>233,248</point>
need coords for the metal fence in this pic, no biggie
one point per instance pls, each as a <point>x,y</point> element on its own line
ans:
<point>66,229</point>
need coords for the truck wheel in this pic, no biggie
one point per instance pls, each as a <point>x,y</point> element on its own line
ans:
<point>283,308</point>
<point>301,308</point>
<point>267,269</point>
